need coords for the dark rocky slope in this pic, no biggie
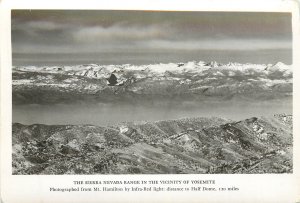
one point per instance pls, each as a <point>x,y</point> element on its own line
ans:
<point>194,145</point>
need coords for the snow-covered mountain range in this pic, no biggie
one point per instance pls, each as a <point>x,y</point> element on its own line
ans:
<point>194,80</point>
<point>191,145</point>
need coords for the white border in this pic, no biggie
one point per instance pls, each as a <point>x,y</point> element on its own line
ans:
<point>253,188</point>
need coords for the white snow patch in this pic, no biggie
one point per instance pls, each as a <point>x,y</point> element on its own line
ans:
<point>123,129</point>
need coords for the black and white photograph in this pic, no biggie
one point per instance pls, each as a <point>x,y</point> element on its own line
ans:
<point>151,92</point>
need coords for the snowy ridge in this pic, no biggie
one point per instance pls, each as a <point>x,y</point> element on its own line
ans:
<point>97,71</point>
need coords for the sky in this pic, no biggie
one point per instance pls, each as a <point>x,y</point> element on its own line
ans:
<point>43,37</point>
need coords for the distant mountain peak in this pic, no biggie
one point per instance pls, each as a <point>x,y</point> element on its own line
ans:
<point>280,66</point>
<point>213,64</point>
<point>279,63</point>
